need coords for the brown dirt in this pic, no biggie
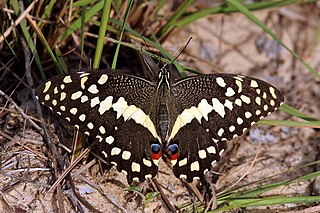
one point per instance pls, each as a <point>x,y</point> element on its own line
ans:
<point>227,42</point>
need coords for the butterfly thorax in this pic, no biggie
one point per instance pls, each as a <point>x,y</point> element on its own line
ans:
<point>163,95</point>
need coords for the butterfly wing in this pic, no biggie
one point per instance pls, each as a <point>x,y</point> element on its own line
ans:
<point>213,109</point>
<point>116,109</point>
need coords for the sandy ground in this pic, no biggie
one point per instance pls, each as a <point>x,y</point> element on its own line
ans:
<point>230,43</point>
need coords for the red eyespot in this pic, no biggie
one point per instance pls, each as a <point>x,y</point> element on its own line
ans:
<point>156,151</point>
<point>173,151</point>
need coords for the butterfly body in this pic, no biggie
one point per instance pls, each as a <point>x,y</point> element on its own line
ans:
<point>135,120</point>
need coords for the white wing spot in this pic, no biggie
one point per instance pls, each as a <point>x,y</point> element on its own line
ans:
<point>264,95</point>
<point>148,176</point>
<point>218,107</point>
<point>221,151</point>
<point>90,125</point>
<point>245,99</point>
<point>183,162</point>
<point>62,86</point>
<point>105,105</point>
<point>228,104</point>
<point>109,139</point>
<point>183,176</point>
<point>205,108</point>
<point>93,89</point>
<point>73,111</point>
<point>239,84</point>
<point>55,90</point>
<point>220,132</point>
<point>83,74</point>
<point>94,101</point>
<point>83,81</point>
<point>82,117</point>
<point>103,79</point>
<point>67,79</point>
<point>195,166</point>
<point>129,112</point>
<point>272,103</point>
<point>215,140</point>
<point>232,128</point>
<point>47,97</point>
<point>253,84</point>
<point>244,129</point>
<point>126,155</point>
<point>230,92</point>
<point>54,102</point>
<point>238,102</point>
<point>202,154</point>
<point>147,162</point>
<point>68,119</point>
<point>196,113</point>
<point>247,114</point>
<point>211,150</point>
<point>258,91</point>
<point>120,106</point>
<point>265,107</point>
<point>258,112</point>
<point>141,118</point>
<point>239,77</point>
<point>207,130</point>
<point>135,167</point>
<point>76,126</point>
<point>46,86</point>
<point>102,130</point>
<point>272,92</point>
<point>115,151</point>
<point>99,137</point>
<point>84,99</point>
<point>62,108</point>
<point>105,154</point>
<point>220,82</point>
<point>59,113</point>
<point>76,95</point>
<point>239,121</point>
<point>258,100</point>
<point>63,95</point>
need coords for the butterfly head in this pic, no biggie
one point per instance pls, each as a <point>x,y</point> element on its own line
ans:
<point>164,77</point>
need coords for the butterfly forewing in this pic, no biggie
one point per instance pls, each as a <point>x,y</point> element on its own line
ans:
<point>214,109</point>
<point>116,109</point>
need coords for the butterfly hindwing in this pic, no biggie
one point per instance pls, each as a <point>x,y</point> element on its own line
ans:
<point>215,108</point>
<point>116,109</point>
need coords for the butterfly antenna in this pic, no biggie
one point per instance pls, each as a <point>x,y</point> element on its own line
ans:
<point>176,57</point>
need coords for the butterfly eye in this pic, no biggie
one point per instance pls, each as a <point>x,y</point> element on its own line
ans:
<point>156,151</point>
<point>173,151</point>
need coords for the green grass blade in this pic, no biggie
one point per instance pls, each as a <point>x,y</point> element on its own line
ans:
<point>29,40</point>
<point>102,33</point>
<point>292,111</point>
<point>154,44</point>
<point>173,19</point>
<point>311,124</point>
<point>83,19</point>
<point>77,23</point>
<point>244,10</point>
<point>192,17</point>
<point>115,58</point>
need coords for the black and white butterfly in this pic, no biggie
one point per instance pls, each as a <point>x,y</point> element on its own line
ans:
<point>136,120</point>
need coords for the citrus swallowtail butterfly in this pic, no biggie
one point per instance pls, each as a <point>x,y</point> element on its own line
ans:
<point>135,120</point>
